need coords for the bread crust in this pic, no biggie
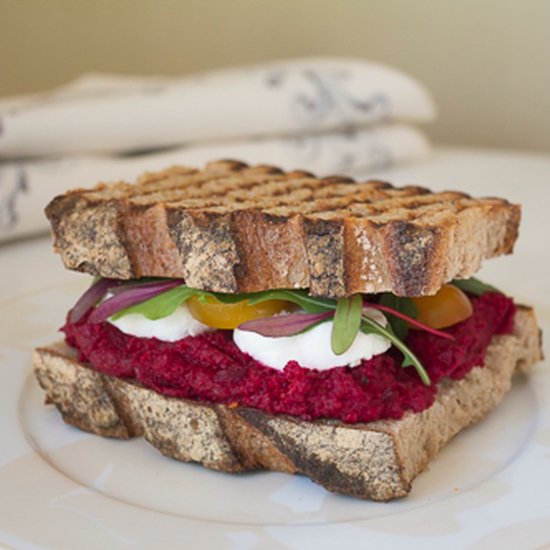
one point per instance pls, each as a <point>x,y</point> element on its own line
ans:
<point>235,228</point>
<point>376,460</point>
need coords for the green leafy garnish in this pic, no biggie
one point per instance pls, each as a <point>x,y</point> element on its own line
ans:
<point>346,323</point>
<point>167,302</point>
<point>160,306</point>
<point>474,286</point>
<point>370,326</point>
<point>348,313</point>
<point>404,305</point>
<point>310,304</point>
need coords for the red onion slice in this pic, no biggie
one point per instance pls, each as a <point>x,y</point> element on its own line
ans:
<point>90,298</point>
<point>133,295</point>
<point>131,284</point>
<point>284,325</point>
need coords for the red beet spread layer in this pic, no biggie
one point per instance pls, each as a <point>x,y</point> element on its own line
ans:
<point>210,367</point>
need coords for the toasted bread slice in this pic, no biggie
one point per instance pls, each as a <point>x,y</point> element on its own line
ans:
<point>376,460</point>
<point>234,228</point>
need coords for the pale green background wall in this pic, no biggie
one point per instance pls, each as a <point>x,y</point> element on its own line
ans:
<point>486,61</point>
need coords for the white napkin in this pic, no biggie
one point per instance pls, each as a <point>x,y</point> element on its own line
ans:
<point>323,115</point>
<point>26,187</point>
<point>117,114</point>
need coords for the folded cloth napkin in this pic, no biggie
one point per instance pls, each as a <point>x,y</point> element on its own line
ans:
<point>326,115</point>
<point>119,114</point>
<point>25,187</point>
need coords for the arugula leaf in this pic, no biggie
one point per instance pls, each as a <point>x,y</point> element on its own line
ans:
<point>166,303</point>
<point>370,326</point>
<point>162,305</point>
<point>229,298</point>
<point>309,304</point>
<point>404,305</point>
<point>346,323</point>
<point>474,286</point>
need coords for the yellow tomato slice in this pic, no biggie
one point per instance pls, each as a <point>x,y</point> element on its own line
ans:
<point>216,314</point>
<point>446,308</point>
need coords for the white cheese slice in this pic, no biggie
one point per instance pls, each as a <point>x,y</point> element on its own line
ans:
<point>311,349</point>
<point>180,324</point>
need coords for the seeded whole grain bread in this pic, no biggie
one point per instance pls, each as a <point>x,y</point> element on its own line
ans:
<point>377,460</point>
<point>235,228</point>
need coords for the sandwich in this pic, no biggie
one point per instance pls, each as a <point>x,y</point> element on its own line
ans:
<point>246,318</point>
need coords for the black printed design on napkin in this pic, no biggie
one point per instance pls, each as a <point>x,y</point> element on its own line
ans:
<point>315,95</point>
<point>347,150</point>
<point>10,190</point>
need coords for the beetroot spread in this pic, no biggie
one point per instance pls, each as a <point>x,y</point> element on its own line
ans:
<point>210,367</point>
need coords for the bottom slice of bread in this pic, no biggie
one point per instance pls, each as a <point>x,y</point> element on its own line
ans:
<point>376,460</point>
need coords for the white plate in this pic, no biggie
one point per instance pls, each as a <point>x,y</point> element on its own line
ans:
<point>61,488</point>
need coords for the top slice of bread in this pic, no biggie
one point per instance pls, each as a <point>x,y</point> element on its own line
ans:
<point>235,228</point>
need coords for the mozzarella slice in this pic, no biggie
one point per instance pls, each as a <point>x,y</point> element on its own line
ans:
<point>311,349</point>
<point>174,327</point>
